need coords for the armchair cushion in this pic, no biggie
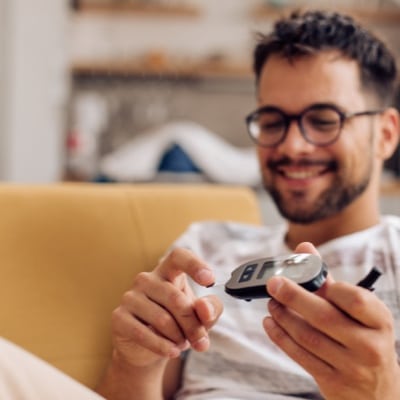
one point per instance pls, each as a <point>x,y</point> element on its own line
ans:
<point>69,251</point>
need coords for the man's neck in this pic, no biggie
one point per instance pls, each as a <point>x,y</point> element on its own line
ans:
<point>344,223</point>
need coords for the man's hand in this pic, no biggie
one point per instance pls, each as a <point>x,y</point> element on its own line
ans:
<point>343,336</point>
<point>160,316</point>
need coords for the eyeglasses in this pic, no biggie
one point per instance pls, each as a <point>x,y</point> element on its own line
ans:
<point>320,124</point>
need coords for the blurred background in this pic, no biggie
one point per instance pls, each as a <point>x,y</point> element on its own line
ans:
<point>142,90</point>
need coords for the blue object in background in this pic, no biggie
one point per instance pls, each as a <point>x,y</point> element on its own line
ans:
<point>176,160</point>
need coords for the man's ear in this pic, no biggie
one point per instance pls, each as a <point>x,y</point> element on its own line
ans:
<point>389,133</point>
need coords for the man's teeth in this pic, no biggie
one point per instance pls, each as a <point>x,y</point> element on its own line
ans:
<point>301,174</point>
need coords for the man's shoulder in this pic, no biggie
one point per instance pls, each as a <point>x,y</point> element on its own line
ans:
<point>391,221</point>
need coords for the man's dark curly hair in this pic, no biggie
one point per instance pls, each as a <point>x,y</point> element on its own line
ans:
<point>311,32</point>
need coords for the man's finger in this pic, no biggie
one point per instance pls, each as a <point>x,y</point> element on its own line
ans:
<point>131,330</point>
<point>307,360</point>
<point>317,311</point>
<point>179,261</point>
<point>306,247</point>
<point>361,304</point>
<point>208,310</point>
<point>152,314</point>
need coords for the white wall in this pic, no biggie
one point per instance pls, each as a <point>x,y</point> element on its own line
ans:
<point>33,89</point>
<point>3,85</point>
<point>223,26</point>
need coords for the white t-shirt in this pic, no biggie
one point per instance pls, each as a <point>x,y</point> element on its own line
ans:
<point>242,362</point>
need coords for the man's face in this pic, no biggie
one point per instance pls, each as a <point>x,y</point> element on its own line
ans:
<point>309,182</point>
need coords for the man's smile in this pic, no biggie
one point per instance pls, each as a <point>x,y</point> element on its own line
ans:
<point>302,170</point>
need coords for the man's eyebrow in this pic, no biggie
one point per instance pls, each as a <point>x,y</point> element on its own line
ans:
<point>311,105</point>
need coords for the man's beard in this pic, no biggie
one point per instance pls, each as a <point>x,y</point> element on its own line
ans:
<point>330,202</point>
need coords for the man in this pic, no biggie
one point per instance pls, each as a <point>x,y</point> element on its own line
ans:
<point>323,129</point>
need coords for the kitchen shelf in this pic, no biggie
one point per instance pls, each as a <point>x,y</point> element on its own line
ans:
<point>137,8</point>
<point>182,70</point>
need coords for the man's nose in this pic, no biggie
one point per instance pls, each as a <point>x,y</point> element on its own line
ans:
<point>295,142</point>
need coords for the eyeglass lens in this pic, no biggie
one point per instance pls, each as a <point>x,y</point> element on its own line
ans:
<point>318,125</point>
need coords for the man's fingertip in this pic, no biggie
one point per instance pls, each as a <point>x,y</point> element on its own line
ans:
<point>273,285</point>
<point>205,276</point>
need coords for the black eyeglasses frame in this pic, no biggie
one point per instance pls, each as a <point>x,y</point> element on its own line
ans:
<point>288,118</point>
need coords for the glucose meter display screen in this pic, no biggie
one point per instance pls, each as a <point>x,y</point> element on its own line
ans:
<point>295,268</point>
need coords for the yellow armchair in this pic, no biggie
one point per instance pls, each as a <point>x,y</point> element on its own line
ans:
<point>69,251</point>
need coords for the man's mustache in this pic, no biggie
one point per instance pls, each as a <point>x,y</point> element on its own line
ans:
<point>303,162</point>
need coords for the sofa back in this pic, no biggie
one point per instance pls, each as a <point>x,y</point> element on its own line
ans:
<point>69,251</point>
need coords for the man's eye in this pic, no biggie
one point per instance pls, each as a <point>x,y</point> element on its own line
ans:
<point>272,127</point>
<point>323,124</point>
